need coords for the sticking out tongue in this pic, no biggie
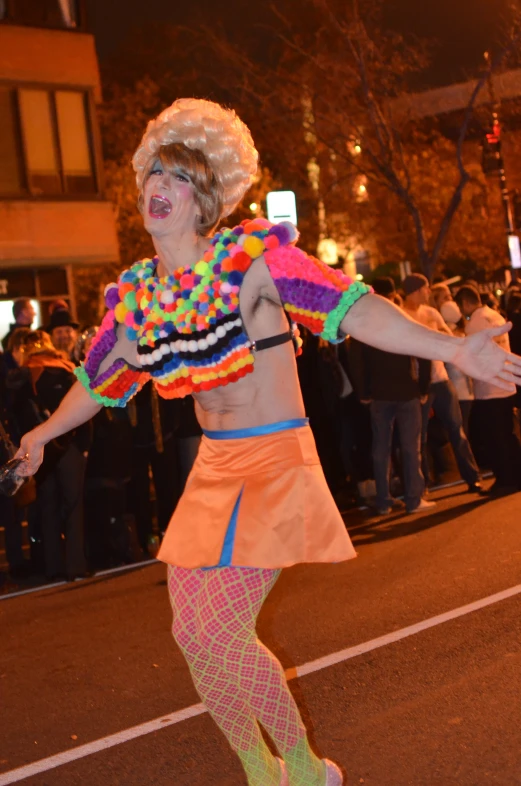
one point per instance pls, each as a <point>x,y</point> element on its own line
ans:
<point>159,207</point>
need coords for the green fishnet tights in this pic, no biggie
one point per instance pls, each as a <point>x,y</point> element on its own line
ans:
<point>239,680</point>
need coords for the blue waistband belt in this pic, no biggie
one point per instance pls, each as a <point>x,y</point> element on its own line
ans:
<point>257,431</point>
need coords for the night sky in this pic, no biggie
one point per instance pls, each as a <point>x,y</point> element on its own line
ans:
<point>462,29</point>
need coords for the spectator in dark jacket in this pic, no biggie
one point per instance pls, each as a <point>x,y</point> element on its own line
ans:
<point>153,423</point>
<point>110,530</point>
<point>321,384</point>
<point>24,314</point>
<point>11,515</point>
<point>393,386</point>
<point>41,384</point>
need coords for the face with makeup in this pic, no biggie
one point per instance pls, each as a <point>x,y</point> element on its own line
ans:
<point>169,206</point>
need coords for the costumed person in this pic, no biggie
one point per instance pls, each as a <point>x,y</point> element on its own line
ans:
<point>206,317</point>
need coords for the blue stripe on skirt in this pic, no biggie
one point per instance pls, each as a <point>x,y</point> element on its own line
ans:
<point>257,431</point>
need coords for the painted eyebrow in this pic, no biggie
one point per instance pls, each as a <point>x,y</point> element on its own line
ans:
<point>175,171</point>
<point>180,171</point>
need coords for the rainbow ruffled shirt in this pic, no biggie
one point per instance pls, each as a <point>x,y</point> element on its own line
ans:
<point>187,326</point>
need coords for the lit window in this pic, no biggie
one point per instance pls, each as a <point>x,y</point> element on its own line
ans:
<point>74,142</point>
<point>10,171</point>
<point>41,159</point>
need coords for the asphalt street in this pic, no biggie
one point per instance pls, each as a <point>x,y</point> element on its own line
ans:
<point>82,662</point>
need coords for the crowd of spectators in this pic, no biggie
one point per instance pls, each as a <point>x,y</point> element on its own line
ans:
<point>383,424</point>
<point>105,491</point>
<point>410,421</point>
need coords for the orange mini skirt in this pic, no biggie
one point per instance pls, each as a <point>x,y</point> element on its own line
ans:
<point>256,498</point>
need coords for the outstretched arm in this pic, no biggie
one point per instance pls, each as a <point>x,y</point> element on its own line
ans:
<point>379,323</point>
<point>107,378</point>
<point>76,408</point>
<point>376,321</point>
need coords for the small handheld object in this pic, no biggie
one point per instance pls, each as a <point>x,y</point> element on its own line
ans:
<point>10,479</point>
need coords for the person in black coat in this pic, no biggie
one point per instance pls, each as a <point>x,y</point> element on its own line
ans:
<point>393,386</point>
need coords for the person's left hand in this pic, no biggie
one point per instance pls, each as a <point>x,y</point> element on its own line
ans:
<point>480,357</point>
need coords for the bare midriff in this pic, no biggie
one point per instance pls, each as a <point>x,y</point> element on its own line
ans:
<point>268,395</point>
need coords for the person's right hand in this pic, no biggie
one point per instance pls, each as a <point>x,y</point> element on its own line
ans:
<point>31,448</point>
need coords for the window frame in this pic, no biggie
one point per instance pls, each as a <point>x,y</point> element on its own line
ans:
<point>11,19</point>
<point>19,147</point>
<point>21,151</point>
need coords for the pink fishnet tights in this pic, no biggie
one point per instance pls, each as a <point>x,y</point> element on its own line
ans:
<point>237,677</point>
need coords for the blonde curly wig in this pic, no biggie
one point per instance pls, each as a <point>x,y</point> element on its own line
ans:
<point>218,133</point>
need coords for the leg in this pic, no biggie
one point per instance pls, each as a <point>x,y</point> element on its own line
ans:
<point>70,474</point>
<point>496,420</point>
<point>227,613</point>
<point>165,472</point>
<point>512,451</point>
<point>361,423</point>
<point>382,422</point>
<point>51,526</point>
<point>220,694</point>
<point>139,502</point>
<point>426,411</point>
<point>409,421</point>
<point>35,533</point>
<point>97,523</point>
<point>446,407</point>
<point>347,439</point>
<point>229,663</point>
<point>465,406</point>
<point>10,517</point>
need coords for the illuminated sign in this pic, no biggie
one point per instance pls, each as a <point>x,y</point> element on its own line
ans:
<point>281,206</point>
<point>515,251</point>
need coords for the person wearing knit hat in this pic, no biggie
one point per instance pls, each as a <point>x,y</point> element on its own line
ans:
<point>442,397</point>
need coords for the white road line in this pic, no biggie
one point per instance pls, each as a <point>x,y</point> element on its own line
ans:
<point>398,635</point>
<point>99,745</point>
<point>13,776</point>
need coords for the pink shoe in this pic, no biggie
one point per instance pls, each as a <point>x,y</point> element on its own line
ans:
<point>334,775</point>
<point>284,775</point>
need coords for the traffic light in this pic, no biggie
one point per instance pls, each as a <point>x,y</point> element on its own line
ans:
<point>491,151</point>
